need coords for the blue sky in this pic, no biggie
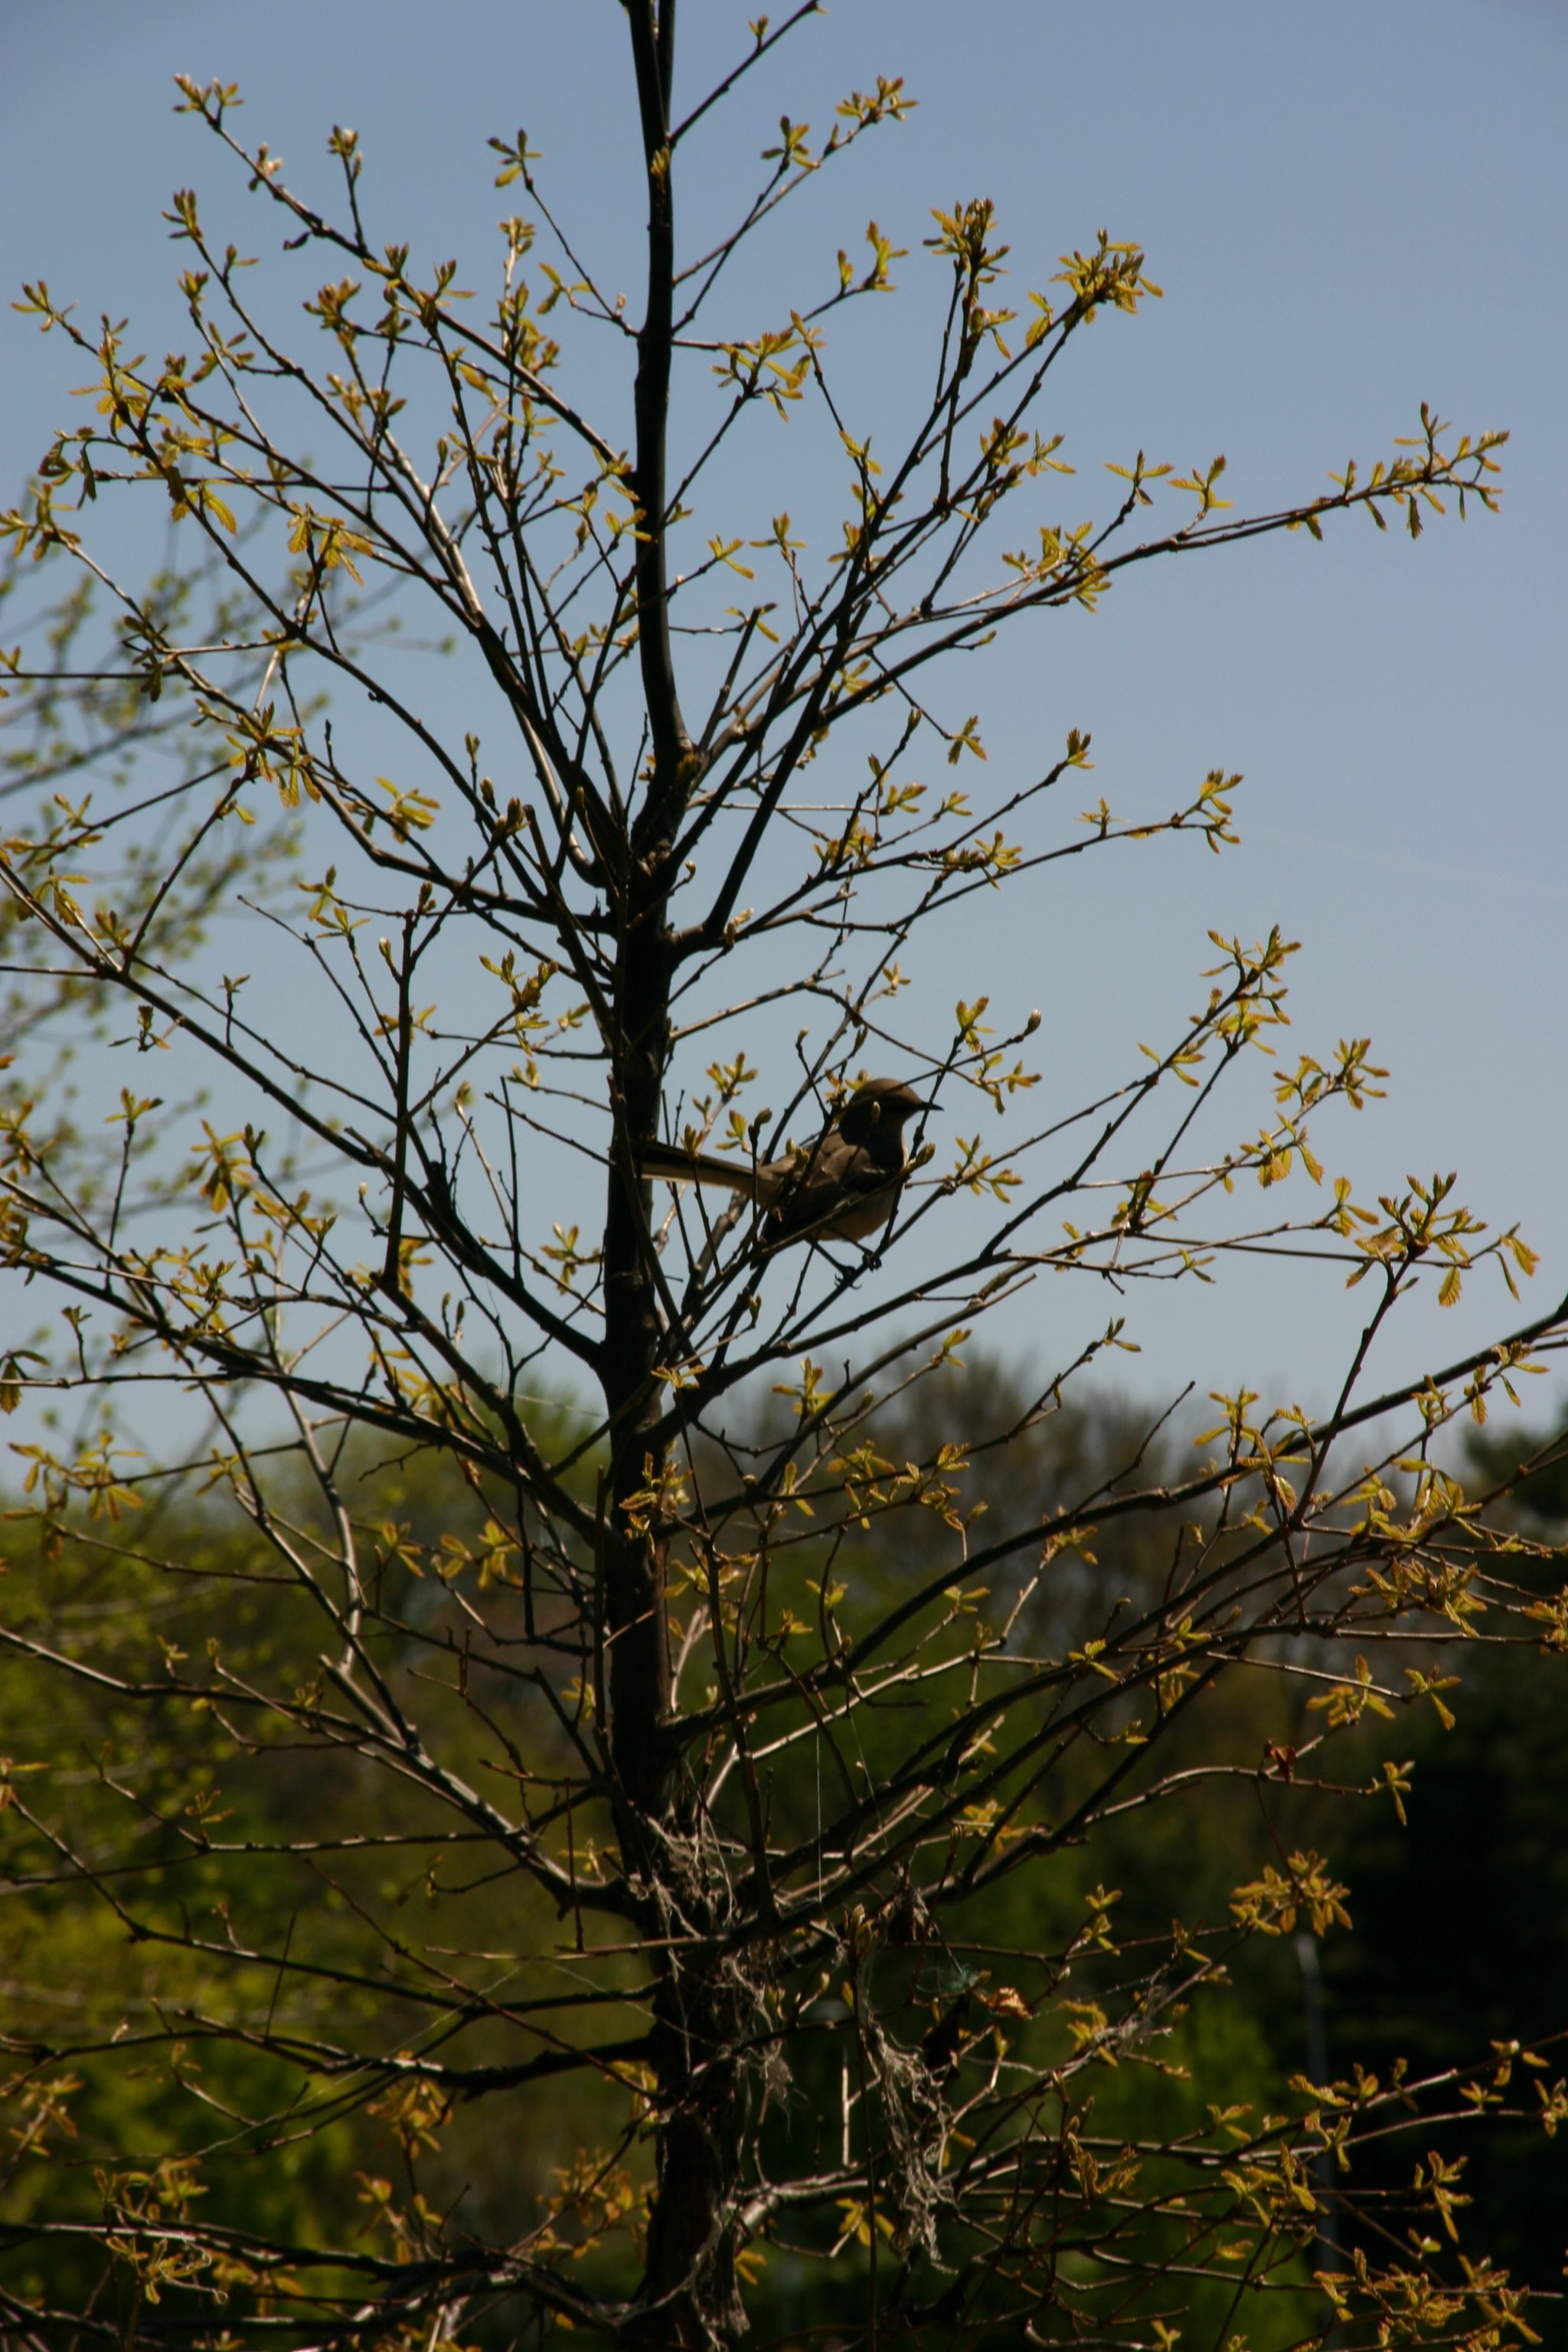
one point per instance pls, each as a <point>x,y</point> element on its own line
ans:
<point>1350,208</point>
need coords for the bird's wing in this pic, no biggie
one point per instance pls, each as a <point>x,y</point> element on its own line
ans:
<point>844,1190</point>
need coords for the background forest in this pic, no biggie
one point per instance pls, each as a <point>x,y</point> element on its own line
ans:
<point>1459,1899</point>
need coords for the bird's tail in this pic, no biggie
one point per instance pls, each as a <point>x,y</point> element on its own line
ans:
<point>682,1167</point>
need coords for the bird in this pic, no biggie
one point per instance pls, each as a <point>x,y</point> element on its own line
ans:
<point>843,1187</point>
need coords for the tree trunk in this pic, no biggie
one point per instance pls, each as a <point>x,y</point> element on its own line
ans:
<point>689,2292</point>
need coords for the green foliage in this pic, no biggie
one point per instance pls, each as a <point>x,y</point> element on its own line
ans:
<point>150,2105</point>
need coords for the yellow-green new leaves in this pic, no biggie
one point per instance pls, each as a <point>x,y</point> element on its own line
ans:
<point>410,811</point>
<point>103,1472</point>
<point>875,278</point>
<point>1065,566</point>
<point>261,747</point>
<point>1468,469</point>
<point>328,540</point>
<point>518,158</point>
<point>967,738</point>
<point>774,367</point>
<point>567,1258</point>
<point>1439,2180</point>
<point>1110,276</point>
<point>977,1169</point>
<point>14,1374</point>
<point>1135,476</point>
<point>223,1171</point>
<point>806,1393</point>
<point>1201,483</point>
<point>889,102</point>
<point>1428,1686</point>
<point>1270,1904</point>
<point>1416,1225</point>
<point>212,100</point>
<point>1349,1701</point>
<point>658,1502</point>
<point>1394,1781</point>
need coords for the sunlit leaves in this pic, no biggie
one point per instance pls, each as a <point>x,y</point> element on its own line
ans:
<point>1271,1902</point>
<point>327,540</point>
<point>408,811</point>
<point>875,278</point>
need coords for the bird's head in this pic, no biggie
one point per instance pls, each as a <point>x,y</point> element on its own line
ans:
<point>880,1102</point>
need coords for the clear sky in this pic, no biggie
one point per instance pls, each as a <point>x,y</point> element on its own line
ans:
<point>1350,208</point>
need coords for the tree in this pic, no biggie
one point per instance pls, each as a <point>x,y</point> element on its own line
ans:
<point>748,1773</point>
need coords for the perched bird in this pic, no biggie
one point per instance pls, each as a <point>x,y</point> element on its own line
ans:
<point>843,1187</point>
